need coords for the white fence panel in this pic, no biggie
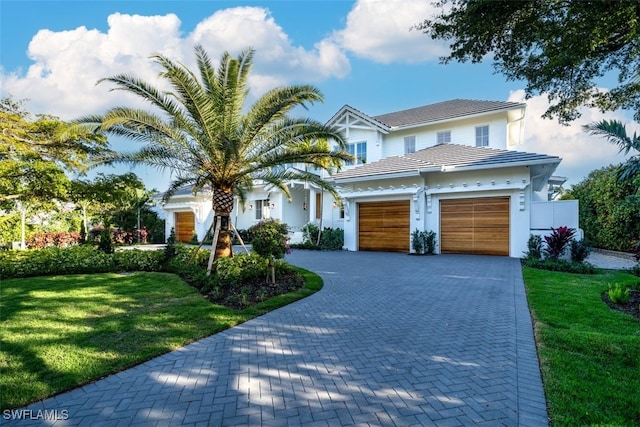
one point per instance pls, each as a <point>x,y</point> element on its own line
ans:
<point>556,213</point>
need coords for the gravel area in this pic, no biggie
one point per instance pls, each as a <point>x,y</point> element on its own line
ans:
<point>609,261</point>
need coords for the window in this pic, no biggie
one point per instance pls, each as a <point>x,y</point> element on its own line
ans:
<point>359,150</point>
<point>262,208</point>
<point>443,137</point>
<point>482,136</point>
<point>409,144</point>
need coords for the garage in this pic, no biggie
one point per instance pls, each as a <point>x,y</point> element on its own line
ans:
<point>384,226</point>
<point>475,226</point>
<point>185,226</point>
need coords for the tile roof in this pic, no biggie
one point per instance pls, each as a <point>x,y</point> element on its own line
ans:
<point>443,111</point>
<point>445,156</point>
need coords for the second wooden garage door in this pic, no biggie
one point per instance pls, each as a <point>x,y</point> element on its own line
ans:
<point>185,225</point>
<point>475,226</point>
<point>384,226</point>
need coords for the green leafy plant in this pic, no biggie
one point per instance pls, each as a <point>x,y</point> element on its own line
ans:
<point>618,293</point>
<point>423,242</point>
<point>429,241</point>
<point>269,239</point>
<point>332,239</point>
<point>579,250</point>
<point>560,265</point>
<point>106,241</point>
<point>310,233</point>
<point>534,247</point>
<point>416,242</point>
<point>170,249</point>
<point>557,241</point>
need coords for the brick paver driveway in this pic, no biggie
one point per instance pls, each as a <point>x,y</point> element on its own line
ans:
<point>391,340</point>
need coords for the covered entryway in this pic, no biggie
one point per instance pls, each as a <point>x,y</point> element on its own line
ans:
<point>475,226</point>
<point>384,226</point>
<point>185,226</point>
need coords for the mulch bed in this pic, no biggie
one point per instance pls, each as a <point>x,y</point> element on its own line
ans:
<point>632,307</point>
<point>252,293</point>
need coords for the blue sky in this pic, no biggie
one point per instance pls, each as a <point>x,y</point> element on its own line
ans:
<point>360,53</point>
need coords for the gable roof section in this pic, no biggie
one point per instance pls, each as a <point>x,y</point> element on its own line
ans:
<point>445,110</point>
<point>348,116</point>
<point>443,157</point>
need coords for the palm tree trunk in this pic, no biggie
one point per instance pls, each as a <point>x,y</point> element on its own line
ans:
<point>222,205</point>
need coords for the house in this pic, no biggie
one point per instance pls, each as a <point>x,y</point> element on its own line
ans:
<point>450,167</point>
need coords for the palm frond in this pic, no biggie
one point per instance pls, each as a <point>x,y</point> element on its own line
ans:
<point>616,133</point>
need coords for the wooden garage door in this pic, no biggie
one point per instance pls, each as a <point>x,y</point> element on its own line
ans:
<point>384,226</point>
<point>475,226</point>
<point>185,225</point>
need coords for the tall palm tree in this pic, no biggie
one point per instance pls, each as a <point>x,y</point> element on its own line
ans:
<point>203,132</point>
<point>616,133</point>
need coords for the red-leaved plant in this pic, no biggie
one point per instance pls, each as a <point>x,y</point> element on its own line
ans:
<point>557,241</point>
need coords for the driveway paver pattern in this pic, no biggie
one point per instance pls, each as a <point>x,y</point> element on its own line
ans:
<point>391,340</point>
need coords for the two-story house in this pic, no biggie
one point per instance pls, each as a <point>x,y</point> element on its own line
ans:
<point>449,167</point>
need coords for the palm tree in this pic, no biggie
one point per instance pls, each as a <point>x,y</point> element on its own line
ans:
<point>616,133</point>
<point>204,134</point>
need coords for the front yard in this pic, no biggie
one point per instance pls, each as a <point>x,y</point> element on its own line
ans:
<point>59,332</point>
<point>589,353</point>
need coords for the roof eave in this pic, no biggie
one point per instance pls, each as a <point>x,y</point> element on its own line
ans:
<point>453,168</point>
<point>454,118</point>
<point>376,177</point>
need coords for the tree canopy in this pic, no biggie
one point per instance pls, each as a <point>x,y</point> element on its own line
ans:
<point>561,48</point>
<point>202,130</point>
<point>36,153</point>
<point>609,208</point>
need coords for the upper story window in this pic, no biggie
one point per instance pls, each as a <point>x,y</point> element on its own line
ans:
<point>443,137</point>
<point>409,144</point>
<point>359,151</point>
<point>482,136</point>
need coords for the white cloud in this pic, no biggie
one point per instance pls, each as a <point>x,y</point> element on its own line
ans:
<point>67,64</point>
<point>381,30</point>
<point>581,153</point>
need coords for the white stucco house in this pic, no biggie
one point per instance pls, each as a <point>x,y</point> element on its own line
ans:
<point>452,167</point>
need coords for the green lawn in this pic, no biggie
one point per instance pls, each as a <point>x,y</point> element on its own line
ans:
<point>589,354</point>
<point>59,332</point>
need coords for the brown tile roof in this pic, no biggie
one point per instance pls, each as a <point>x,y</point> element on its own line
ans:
<point>445,156</point>
<point>443,111</point>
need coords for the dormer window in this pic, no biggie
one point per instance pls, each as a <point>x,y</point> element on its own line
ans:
<point>409,144</point>
<point>443,137</point>
<point>482,136</point>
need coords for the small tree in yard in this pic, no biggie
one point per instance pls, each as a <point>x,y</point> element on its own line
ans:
<point>269,239</point>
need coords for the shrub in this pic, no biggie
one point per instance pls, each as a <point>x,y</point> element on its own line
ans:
<point>106,242</point>
<point>534,247</point>
<point>139,260</point>
<point>59,240</point>
<point>170,249</point>
<point>560,265</point>
<point>269,238</point>
<point>53,261</point>
<point>430,241</point>
<point>579,250</point>
<point>423,242</point>
<point>557,241</point>
<point>310,233</point>
<point>332,239</point>
<point>238,269</point>
<point>416,242</point>
<point>618,293</point>
<point>635,270</point>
